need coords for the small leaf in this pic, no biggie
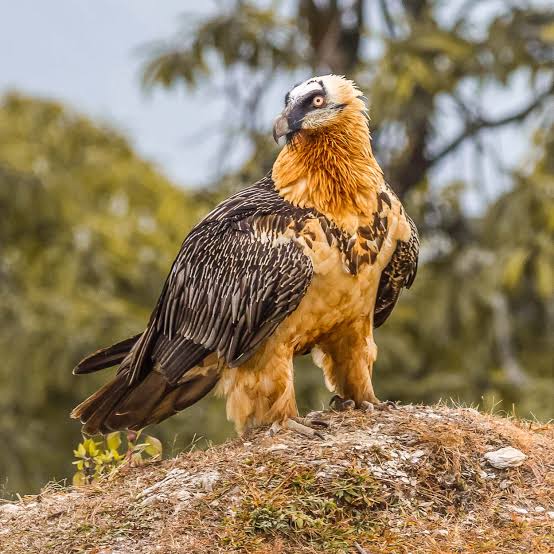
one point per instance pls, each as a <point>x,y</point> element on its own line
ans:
<point>136,459</point>
<point>543,277</point>
<point>113,440</point>
<point>79,479</point>
<point>514,266</point>
<point>153,446</point>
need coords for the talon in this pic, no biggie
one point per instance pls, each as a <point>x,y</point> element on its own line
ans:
<point>340,404</point>
<point>386,405</point>
<point>348,405</point>
<point>274,429</point>
<point>335,399</point>
<point>302,428</point>
<point>366,406</point>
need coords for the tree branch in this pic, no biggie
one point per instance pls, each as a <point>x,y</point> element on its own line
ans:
<point>475,126</point>
<point>388,18</point>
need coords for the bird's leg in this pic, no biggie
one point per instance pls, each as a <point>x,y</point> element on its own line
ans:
<point>347,361</point>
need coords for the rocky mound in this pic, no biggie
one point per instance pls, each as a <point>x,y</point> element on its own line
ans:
<point>411,479</point>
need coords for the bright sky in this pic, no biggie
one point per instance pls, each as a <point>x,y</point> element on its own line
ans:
<point>85,53</point>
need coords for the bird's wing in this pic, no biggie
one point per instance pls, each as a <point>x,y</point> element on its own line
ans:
<point>398,274</point>
<point>235,279</point>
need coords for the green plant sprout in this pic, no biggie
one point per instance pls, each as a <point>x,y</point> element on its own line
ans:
<point>98,458</point>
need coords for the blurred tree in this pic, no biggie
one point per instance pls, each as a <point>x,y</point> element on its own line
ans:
<point>414,58</point>
<point>91,229</point>
<point>476,325</point>
<point>87,234</point>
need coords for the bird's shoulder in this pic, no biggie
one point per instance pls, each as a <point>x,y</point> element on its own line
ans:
<point>257,200</point>
<point>401,269</point>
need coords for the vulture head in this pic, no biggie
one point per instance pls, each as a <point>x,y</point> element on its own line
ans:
<point>316,105</point>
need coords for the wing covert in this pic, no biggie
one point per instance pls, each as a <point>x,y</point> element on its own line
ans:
<point>398,274</point>
<point>237,276</point>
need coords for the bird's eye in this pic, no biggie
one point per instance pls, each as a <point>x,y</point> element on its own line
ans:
<point>318,101</point>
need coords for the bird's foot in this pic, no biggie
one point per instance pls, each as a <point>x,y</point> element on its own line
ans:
<point>341,405</point>
<point>386,405</point>
<point>309,427</point>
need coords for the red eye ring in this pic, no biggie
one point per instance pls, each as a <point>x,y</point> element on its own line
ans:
<point>318,101</point>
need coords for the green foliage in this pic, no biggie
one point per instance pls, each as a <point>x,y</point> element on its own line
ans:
<point>488,306</point>
<point>97,458</point>
<point>90,234</point>
<point>234,36</point>
<point>308,507</point>
<point>91,229</point>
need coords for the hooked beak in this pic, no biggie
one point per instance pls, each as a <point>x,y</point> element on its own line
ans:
<point>280,127</point>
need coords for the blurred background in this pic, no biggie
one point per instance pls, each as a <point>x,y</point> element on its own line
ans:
<point>123,122</point>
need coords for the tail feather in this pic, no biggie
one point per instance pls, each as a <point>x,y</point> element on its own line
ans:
<point>97,407</point>
<point>107,357</point>
<point>120,405</point>
<point>182,397</point>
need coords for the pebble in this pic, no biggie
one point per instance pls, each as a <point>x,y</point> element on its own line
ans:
<point>505,484</point>
<point>416,455</point>
<point>518,510</point>
<point>505,457</point>
<point>10,509</point>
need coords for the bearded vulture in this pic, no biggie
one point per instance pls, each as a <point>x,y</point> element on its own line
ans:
<point>311,258</point>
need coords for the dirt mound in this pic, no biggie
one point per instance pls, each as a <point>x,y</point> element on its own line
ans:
<point>411,479</point>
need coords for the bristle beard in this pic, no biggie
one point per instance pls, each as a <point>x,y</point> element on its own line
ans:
<point>293,141</point>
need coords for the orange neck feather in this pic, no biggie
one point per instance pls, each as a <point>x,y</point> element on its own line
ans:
<point>333,171</point>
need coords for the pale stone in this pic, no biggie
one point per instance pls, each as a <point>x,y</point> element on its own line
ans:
<point>505,457</point>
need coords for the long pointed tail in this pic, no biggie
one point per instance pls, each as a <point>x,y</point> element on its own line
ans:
<point>107,357</point>
<point>122,405</point>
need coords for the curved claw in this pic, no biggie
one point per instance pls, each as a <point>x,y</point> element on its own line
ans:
<point>340,404</point>
<point>386,405</point>
<point>334,399</point>
<point>367,407</point>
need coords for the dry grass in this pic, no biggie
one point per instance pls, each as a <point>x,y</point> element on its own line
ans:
<point>399,481</point>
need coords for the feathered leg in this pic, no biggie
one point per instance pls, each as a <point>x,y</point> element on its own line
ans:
<point>346,359</point>
<point>262,390</point>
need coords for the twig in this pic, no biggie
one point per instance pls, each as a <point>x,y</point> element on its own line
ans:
<point>388,18</point>
<point>360,549</point>
<point>473,127</point>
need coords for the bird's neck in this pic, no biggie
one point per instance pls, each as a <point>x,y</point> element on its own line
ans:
<point>333,171</point>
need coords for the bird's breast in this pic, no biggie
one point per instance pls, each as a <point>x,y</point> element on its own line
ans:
<point>347,269</point>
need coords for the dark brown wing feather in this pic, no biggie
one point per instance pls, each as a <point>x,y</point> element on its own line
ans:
<point>399,273</point>
<point>106,357</point>
<point>229,288</point>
